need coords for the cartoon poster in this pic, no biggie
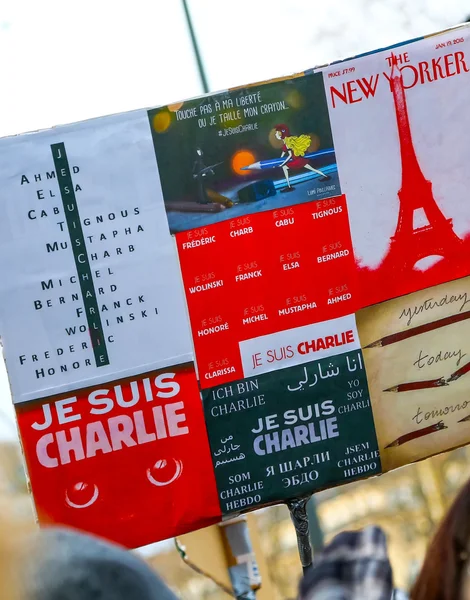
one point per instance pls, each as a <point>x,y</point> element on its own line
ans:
<point>261,274</point>
<point>400,119</point>
<point>90,287</point>
<point>291,432</point>
<point>245,150</point>
<point>417,356</point>
<point>128,460</point>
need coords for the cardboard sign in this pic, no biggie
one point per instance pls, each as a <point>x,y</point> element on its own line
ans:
<point>329,322</point>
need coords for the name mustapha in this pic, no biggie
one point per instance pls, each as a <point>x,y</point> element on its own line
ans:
<point>151,422</point>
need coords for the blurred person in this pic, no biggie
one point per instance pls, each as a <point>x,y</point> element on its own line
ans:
<point>354,566</point>
<point>445,574</point>
<point>62,564</point>
<point>67,565</point>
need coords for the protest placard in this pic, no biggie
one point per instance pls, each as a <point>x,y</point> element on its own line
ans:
<point>305,327</point>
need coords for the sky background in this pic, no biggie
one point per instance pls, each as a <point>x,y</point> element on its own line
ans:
<point>64,62</point>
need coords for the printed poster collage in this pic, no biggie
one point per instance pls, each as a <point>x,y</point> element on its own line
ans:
<point>224,303</point>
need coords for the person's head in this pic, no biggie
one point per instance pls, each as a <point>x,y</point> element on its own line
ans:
<point>199,151</point>
<point>65,565</point>
<point>445,573</point>
<point>281,132</point>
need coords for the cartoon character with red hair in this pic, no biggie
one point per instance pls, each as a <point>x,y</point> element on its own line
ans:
<point>295,148</point>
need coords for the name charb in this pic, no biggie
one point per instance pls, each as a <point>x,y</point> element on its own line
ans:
<point>57,246</point>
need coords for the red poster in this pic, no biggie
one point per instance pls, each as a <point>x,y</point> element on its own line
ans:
<point>264,273</point>
<point>400,122</point>
<point>128,460</point>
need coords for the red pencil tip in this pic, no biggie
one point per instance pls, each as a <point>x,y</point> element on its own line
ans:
<point>376,344</point>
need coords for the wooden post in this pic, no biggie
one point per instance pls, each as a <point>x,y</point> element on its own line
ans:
<point>205,548</point>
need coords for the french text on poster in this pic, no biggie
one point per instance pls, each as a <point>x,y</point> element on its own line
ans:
<point>120,455</point>
<point>244,151</point>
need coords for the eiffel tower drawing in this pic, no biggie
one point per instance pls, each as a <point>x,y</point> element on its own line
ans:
<point>411,244</point>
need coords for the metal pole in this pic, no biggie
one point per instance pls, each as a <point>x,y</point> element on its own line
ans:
<point>316,533</point>
<point>298,513</point>
<point>241,559</point>
<point>197,54</point>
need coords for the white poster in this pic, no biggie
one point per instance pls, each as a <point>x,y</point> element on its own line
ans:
<point>299,345</point>
<point>90,287</point>
<point>400,122</point>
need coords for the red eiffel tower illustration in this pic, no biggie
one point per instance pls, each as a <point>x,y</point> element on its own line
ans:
<point>410,244</point>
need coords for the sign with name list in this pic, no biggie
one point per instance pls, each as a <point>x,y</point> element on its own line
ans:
<point>263,274</point>
<point>296,333</point>
<point>90,286</point>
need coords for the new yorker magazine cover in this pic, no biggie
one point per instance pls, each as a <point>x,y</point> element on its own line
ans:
<point>246,150</point>
<point>400,124</point>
